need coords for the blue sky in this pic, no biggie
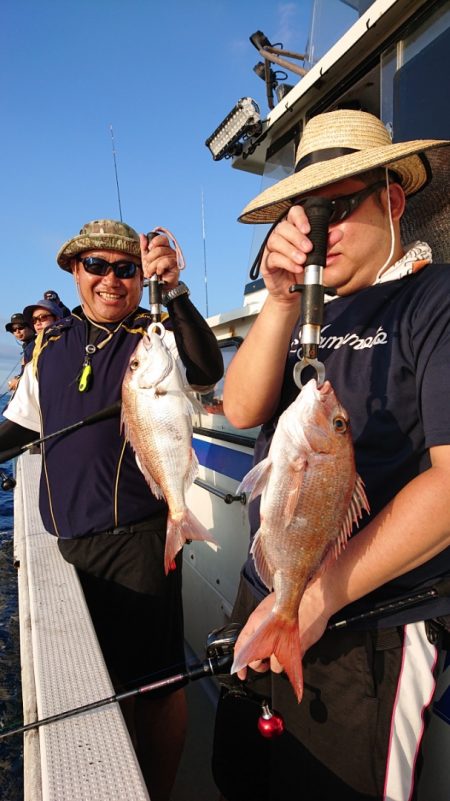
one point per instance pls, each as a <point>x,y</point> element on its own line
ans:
<point>164,75</point>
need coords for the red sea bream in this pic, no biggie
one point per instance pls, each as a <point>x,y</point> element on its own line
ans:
<point>311,496</point>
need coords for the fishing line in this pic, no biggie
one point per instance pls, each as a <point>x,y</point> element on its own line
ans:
<point>18,364</point>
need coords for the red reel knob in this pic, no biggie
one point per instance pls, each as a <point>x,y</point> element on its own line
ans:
<point>270,724</point>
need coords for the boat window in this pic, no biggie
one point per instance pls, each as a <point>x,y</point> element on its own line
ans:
<point>408,69</point>
<point>330,20</point>
<point>279,164</point>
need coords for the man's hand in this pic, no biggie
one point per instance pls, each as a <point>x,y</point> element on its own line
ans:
<point>13,383</point>
<point>287,248</point>
<point>159,257</point>
<point>312,617</point>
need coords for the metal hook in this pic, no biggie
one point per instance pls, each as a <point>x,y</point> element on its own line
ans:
<point>302,365</point>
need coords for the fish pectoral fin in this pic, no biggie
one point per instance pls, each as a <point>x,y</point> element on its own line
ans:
<point>291,503</point>
<point>262,565</point>
<point>298,466</point>
<point>192,472</point>
<point>194,403</point>
<point>255,480</point>
<point>155,488</point>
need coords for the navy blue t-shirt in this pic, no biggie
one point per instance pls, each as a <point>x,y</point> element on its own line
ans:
<point>386,351</point>
<point>90,481</point>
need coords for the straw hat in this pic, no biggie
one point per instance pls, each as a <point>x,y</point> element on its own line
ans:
<point>100,235</point>
<point>337,145</point>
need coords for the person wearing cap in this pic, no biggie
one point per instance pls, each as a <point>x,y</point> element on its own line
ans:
<point>385,345</point>
<point>42,314</point>
<point>93,496</point>
<point>50,294</point>
<point>23,333</point>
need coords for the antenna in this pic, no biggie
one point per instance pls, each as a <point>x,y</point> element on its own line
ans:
<point>115,171</point>
<point>204,255</point>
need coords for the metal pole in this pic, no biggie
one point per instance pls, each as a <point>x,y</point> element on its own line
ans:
<point>204,255</point>
<point>115,171</point>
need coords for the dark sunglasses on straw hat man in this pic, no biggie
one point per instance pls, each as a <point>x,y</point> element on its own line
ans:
<point>338,145</point>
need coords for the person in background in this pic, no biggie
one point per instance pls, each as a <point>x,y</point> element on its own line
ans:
<point>42,314</point>
<point>385,344</point>
<point>93,496</point>
<point>23,333</point>
<point>53,296</point>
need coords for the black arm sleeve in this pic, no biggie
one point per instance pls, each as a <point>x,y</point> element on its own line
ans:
<point>196,343</point>
<point>14,436</point>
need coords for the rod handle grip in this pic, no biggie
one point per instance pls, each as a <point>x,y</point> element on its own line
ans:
<point>318,210</point>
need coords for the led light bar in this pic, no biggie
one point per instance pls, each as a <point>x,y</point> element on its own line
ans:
<point>242,121</point>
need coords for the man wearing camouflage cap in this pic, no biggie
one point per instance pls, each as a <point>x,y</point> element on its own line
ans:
<point>95,499</point>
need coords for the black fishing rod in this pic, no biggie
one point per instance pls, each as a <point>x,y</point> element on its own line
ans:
<point>440,590</point>
<point>219,658</point>
<point>103,414</point>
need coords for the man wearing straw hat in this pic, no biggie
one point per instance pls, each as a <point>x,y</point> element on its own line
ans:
<point>93,496</point>
<point>385,345</point>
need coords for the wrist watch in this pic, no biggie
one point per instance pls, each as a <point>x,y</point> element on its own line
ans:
<point>170,294</point>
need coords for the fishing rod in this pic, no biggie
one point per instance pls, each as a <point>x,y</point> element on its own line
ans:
<point>440,590</point>
<point>219,658</point>
<point>103,414</point>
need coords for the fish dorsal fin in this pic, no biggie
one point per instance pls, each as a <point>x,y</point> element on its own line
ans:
<point>262,566</point>
<point>357,505</point>
<point>192,397</point>
<point>255,480</point>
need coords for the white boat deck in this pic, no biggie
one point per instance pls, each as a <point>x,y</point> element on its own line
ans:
<point>85,758</point>
<point>89,757</point>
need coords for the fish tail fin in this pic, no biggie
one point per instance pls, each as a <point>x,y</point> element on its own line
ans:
<point>276,636</point>
<point>179,531</point>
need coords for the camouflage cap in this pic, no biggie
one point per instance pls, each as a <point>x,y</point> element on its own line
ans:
<point>101,235</point>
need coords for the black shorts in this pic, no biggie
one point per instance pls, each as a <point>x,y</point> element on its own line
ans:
<point>135,608</point>
<point>338,741</point>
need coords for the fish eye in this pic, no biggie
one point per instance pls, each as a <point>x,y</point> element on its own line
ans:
<point>134,364</point>
<point>340,424</point>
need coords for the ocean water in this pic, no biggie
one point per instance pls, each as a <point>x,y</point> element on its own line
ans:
<point>11,753</point>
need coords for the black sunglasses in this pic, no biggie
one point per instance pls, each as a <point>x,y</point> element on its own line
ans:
<point>121,269</point>
<point>343,206</point>
<point>18,327</point>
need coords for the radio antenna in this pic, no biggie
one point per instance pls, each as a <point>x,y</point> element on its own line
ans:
<point>115,171</point>
<point>204,254</point>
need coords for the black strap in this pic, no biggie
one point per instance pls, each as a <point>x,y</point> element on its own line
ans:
<point>323,155</point>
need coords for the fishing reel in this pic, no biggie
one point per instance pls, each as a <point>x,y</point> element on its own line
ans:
<point>7,482</point>
<point>220,647</point>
